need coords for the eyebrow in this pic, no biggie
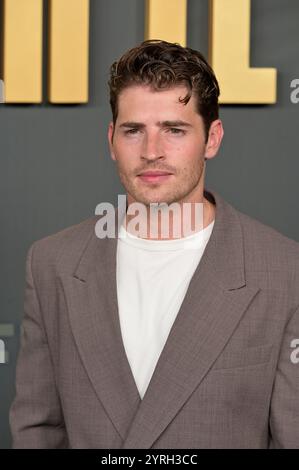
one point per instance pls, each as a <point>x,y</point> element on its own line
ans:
<point>140,125</point>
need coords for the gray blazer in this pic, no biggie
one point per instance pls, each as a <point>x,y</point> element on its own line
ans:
<point>228,376</point>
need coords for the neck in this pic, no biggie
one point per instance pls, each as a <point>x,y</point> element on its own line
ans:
<point>169,222</point>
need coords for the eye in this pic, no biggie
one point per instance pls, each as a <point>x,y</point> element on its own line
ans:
<point>176,131</point>
<point>132,131</point>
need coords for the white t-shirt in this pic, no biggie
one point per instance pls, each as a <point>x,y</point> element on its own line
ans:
<point>152,279</point>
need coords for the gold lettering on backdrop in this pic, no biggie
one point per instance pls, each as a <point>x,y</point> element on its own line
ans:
<point>22,50</point>
<point>229,48</point>
<point>68,51</point>
<point>230,55</point>
<point>166,19</point>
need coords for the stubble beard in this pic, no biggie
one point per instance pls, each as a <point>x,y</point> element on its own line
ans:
<point>177,191</point>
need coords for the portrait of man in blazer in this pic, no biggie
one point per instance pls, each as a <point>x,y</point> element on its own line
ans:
<point>136,341</point>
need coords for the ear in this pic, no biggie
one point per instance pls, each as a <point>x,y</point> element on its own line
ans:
<point>110,139</point>
<point>216,134</point>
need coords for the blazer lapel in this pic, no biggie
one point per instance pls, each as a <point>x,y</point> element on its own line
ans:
<point>216,300</point>
<point>92,303</point>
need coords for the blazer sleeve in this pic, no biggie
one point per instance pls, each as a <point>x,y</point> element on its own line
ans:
<point>284,410</point>
<point>35,415</point>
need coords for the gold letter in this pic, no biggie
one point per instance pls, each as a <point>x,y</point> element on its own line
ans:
<point>229,55</point>
<point>22,51</point>
<point>167,20</point>
<point>68,51</point>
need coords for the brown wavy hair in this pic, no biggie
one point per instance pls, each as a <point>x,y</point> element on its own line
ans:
<point>162,64</point>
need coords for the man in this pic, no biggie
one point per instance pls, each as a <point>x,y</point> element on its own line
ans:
<point>145,342</point>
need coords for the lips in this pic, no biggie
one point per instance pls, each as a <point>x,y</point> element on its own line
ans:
<point>154,173</point>
<point>154,176</point>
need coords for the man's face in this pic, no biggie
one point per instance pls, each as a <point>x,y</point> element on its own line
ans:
<point>154,132</point>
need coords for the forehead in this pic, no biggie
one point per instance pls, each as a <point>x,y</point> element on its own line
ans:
<point>144,99</point>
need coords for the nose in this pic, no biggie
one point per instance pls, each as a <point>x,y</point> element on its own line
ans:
<point>152,146</point>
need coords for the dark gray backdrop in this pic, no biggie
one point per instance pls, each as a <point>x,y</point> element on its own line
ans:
<point>55,165</point>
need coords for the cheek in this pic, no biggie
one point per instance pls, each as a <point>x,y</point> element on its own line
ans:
<point>185,153</point>
<point>125,149</point>
<point>126,158</point>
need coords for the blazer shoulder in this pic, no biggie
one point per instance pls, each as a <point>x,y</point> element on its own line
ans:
<point>258,230</point>
<point>267,247</point>
<point>69,241</point>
